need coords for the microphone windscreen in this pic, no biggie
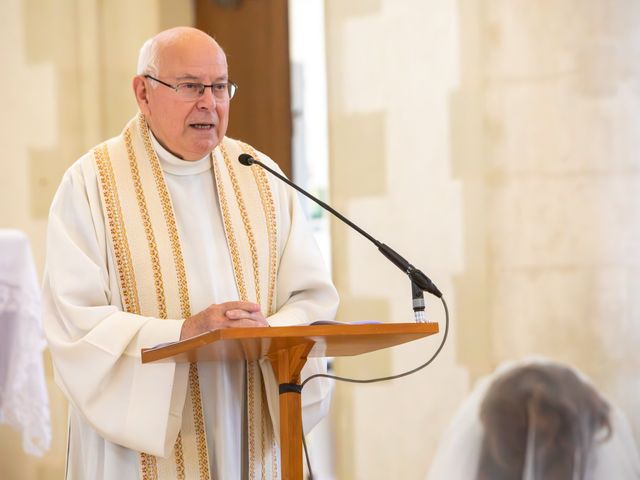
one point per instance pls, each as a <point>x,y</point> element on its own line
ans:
<point>246,159</point>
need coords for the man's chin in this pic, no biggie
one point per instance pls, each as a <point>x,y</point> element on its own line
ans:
<point>201,150</point>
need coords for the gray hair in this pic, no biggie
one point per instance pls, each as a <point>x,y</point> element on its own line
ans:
<point>148,58</point>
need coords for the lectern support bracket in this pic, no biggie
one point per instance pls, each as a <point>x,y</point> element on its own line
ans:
<point>287,364</point>
<point>290,388</point>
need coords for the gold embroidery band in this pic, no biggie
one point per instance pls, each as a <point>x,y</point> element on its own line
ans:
<point>252,378</point>
<point>270,217</point>
<point>255,211</point>
<point>231,238</point>
<point>148,466</point>
<point>124,264</point>
<point>148,461</point>
<point>245,222</point>
<point>242,291</point>
<point>198,418</point>
<point>178,455</point>
<point>250,413</point>
<point>165,201</point>
<point>148,227</point>
<point>264,429</point>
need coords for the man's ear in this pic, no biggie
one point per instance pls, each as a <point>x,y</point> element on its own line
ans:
<point>142,93</point>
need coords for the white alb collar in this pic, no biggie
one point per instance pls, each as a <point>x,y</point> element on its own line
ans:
<point>176,166</point>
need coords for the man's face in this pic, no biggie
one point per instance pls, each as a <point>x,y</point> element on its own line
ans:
<point>189,129</point>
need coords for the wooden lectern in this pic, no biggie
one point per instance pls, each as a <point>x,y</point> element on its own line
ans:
<point>288,348</point>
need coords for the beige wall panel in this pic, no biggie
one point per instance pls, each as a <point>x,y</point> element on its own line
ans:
<point>51,38</point>
<point>562,122</point>
<point>174,14</point>
<point>360,143</point>
<point>124,26</point>
<point>392,70</point>
<point>512,138</point>
<point>352,8</point>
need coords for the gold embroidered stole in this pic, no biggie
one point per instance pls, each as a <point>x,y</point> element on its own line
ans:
<point>153,280</point>
<point>250,223</point>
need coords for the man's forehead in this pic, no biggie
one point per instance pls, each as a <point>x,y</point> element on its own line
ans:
<point>194,77</point>
<point>194,63</point>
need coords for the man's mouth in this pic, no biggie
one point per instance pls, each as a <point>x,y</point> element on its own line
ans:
<point>202,126</point>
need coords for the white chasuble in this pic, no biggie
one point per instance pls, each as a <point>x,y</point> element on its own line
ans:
<point>139,240</point>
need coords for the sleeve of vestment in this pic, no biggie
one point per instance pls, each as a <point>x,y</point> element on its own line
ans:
<point>305,293</point>
<point>95,345</point>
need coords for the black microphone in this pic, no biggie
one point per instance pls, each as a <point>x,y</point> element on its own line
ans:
<point>417,277</point>
<point>246,159</point>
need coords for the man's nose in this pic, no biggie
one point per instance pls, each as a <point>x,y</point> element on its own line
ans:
<point>207,100</point>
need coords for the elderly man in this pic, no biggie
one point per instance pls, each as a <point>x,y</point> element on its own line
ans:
<point>158,235</point>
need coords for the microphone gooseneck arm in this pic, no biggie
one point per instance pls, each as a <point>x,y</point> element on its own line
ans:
<point>417,277</point>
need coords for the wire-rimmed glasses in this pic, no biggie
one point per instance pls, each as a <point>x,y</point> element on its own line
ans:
<point>222,92</point>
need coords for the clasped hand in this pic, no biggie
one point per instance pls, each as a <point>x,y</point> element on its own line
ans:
<point>223,315</point>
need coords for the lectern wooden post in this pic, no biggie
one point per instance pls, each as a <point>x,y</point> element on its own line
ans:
<point>288,349</point>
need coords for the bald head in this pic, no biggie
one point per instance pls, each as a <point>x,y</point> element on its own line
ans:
<point>190,127</point>
<point>151,53</point>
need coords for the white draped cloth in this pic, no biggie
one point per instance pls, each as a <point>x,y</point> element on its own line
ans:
<point>119,406</point>
<point>24,404</point>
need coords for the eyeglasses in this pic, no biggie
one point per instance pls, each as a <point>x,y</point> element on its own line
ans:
<point>222,92</point>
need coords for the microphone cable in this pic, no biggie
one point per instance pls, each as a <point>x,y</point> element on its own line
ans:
<point>379,379</point>
<point>399,375</point>
<point>306,456</point>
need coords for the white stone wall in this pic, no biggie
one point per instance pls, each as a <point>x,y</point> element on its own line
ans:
<point>505,165</point>
<point>392,67</point>
<point>563,125</point>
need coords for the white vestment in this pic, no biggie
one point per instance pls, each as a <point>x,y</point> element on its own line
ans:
<point>119,407</point>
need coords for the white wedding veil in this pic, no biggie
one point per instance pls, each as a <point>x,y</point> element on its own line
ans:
<point>591,441</point>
